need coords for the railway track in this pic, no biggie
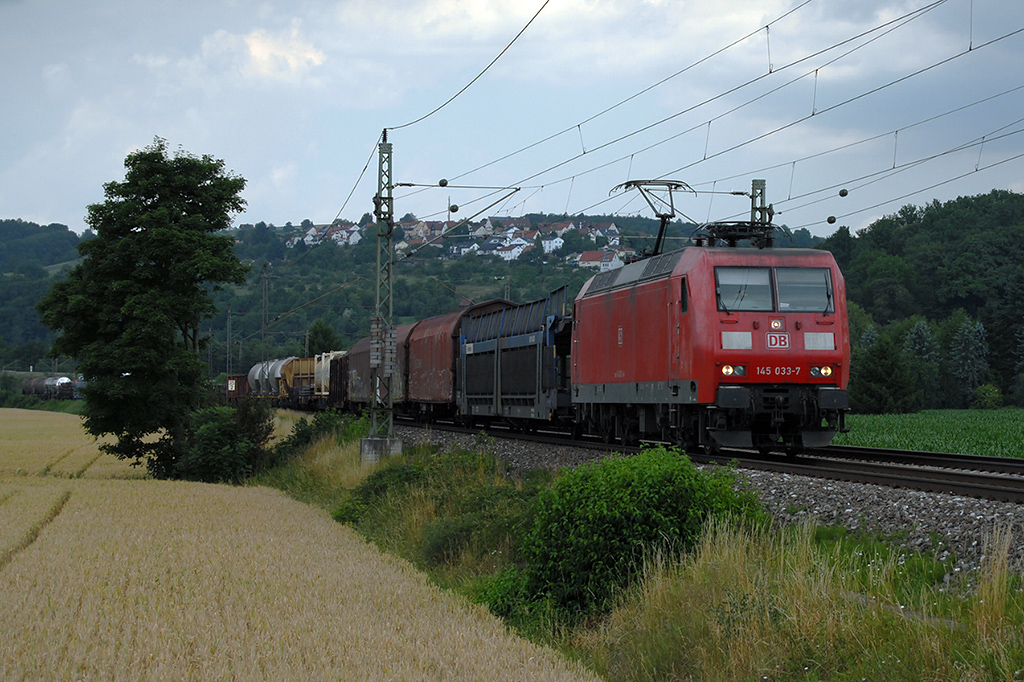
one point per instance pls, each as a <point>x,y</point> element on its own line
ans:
<point>993,478</point>
<point>989,478</point>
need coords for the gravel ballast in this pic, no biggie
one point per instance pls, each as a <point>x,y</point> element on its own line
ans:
<point>948,525</point>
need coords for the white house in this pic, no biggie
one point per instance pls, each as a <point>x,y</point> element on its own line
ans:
<point>348,235</point>
<point>601,261</point>
<point>508,253</point>
<point>310,236</point>
<point>552,244</point>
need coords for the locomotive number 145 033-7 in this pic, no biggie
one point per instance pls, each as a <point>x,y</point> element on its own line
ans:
<point>777,371</point>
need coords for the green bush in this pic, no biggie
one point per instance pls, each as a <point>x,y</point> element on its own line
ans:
<point>393,477</point>
<point>350,510</point>
<point>593,527</point>
<point>226,444</point>
<point>445,537</point>
<point>506,595</point>
<point>329,423</point>
<point>987,397</point>
<point>216,454</point>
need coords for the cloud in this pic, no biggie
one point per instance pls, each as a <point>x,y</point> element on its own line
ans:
<point>282,58</point>
<point>228,59</point>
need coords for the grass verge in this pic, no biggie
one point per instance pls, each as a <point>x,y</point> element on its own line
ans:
<point>745,601</point>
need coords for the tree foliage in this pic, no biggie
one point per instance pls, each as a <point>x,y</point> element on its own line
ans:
<point>24,243</point>
<point>956,259</point>
<point>880,381</point>
<point>968,360</point>
<point>922,355</point>
<point>130,312</point>
<point>322,338</point>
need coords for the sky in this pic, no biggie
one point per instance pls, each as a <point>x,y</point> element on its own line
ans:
<point>895,101</point>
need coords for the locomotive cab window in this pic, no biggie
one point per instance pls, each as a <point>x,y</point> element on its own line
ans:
<point>804,290</point>
<point>743,289</point>
<point>682,295</point>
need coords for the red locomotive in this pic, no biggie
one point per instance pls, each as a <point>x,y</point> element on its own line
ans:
<point>737,347</point>
<point>714,346</point>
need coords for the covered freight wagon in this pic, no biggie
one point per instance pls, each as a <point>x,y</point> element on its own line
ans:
<point>433,356</point>
<point>514,363</point>
<point>360,371</point>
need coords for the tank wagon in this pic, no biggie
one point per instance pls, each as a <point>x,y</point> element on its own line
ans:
<point>49,388</point>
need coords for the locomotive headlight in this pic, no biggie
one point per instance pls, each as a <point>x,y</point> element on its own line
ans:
<point>824,371</point>
<point>776,324</point>
<point>734,370</point>
<point>727,370</point>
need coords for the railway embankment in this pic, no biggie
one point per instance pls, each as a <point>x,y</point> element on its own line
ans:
<point>946,526</point>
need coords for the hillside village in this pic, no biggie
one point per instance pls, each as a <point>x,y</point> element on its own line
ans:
<point>508,238</point>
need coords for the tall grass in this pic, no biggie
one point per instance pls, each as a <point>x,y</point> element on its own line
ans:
<point>757,603</point>
<point>321,474</point>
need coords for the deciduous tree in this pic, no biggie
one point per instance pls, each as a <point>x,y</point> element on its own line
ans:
<point>130,312</point>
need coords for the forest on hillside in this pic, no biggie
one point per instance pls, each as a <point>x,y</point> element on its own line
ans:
<point>935,292</point>
<point>937,304</point>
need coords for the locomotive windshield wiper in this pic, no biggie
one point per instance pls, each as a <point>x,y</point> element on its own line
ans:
<point>721,303</point>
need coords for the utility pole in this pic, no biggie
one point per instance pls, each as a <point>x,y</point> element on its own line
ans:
<point>227,346</point>
<point>381,440</point>
<point>264,321</point>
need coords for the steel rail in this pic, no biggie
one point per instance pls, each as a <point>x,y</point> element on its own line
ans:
<point>1004,465</point>
<point>986,485</point>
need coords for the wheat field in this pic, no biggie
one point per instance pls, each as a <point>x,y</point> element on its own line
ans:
<point>108,579</point>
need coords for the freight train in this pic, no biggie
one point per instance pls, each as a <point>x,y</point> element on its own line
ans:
<point>708,346</point>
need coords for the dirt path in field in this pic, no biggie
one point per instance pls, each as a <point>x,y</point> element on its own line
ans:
<point>140,579</point>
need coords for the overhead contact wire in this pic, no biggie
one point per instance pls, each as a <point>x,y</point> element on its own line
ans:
<point>905,19</point>
<point>478,76</point>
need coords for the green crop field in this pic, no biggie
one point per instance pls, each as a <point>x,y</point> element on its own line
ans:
<point>997,433</point>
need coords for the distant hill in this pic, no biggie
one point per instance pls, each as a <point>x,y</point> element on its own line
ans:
<point>24,244</point>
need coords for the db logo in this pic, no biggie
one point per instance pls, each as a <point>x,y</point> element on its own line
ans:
<point>777,341</point>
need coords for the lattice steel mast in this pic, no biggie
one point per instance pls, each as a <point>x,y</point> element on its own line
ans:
<point>382,331</point>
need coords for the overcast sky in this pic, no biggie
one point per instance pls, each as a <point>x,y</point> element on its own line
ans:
<point>897,101</point>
